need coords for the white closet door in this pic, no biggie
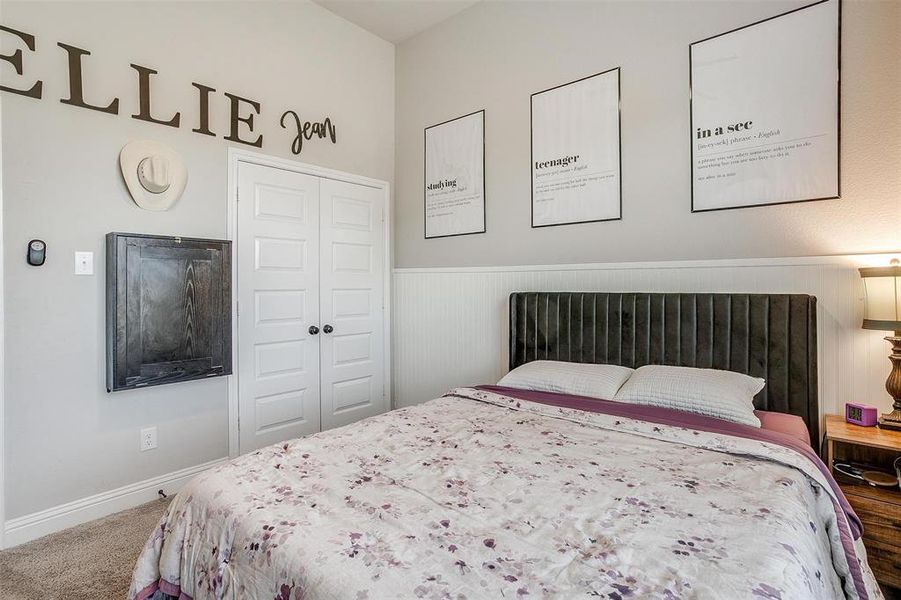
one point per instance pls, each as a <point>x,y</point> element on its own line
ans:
<point>351,295</point>
<point>278,301</point>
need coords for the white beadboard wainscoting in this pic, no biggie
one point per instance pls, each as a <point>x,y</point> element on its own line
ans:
<point>451,324</point>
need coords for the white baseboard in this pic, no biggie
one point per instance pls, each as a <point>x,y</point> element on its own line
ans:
<point>23,529</point>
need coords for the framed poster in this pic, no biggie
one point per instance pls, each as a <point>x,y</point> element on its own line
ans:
<point>576,164</point>
<point>765,111</point>
<point>455,177</point>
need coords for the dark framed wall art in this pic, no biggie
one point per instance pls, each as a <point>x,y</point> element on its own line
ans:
<point>575,153</point>
<point>765,111</point>
<point>454,186</point>
<point>168,310</point>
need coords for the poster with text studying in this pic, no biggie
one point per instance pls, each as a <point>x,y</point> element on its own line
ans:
<point>576,175</point>
<point>765,111</point>
<point>455,177</point>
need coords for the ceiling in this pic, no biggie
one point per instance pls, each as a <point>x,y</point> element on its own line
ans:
<point>395,20</point>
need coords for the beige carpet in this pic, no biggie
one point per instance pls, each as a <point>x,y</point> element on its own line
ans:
<point>93,561</point>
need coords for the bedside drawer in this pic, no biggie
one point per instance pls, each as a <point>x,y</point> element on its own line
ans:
<point>885,560</point>
<point>880,512</point>
<point>881,520</point>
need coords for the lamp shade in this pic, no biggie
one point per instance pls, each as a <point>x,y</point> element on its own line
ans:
<point>882,287</point>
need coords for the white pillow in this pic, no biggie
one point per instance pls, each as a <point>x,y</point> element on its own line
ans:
<point>723,395</point>
<point>580,379</point>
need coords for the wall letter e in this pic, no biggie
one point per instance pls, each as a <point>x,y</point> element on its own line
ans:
<point>236,120</point>
<point>15,59</point>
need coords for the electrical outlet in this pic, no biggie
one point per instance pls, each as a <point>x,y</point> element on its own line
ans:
<point>84,263</point>
<point>148,438</point>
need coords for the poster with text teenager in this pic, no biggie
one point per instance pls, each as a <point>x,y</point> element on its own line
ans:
<point>576,175</point>
<point>765,111</point>
<point>455,177</point>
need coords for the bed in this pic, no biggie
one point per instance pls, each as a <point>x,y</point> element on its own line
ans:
<point>494,492</point>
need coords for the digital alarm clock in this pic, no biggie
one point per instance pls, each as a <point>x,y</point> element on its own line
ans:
<point>860,414</point>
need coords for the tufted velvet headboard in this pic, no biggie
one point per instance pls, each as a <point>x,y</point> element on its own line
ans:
<point>773,336</point>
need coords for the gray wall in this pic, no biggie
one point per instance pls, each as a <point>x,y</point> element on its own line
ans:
<point>66,438</point>
<point>495,54</point>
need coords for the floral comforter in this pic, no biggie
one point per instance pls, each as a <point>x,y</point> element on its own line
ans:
<point>482,494</point>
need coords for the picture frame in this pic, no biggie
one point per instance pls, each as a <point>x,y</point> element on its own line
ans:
<point>581,135</point>
<point>800,117</point>
<point>458,144</point>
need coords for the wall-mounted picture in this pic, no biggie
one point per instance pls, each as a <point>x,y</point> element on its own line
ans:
<point>168,310</point>
<point>455,177</point>
<point>576,165</point>
<point>765,111</point>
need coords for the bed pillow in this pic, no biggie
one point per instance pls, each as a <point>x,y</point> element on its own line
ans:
<point>579,379</point>
<point>792,425</point>
<point>719,394</point>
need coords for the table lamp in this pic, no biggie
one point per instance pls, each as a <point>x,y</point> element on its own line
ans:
<point>882,311</point>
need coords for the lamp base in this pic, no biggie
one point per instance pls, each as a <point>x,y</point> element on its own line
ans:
<point>892,420</point>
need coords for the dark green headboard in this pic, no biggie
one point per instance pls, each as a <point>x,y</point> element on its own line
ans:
<point>773,336</point>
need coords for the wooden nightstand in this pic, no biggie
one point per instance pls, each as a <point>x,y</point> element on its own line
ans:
<point>878,508</point>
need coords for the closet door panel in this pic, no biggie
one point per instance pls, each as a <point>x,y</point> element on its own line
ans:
<point>352,246</point>
<point>278,301</point>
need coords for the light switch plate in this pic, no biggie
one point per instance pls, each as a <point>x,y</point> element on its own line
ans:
<point>84,263</point>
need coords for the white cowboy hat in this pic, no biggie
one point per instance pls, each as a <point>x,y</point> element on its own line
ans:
<point>154,173</point>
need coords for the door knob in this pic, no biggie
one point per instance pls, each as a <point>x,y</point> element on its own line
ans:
<point>313,330</point>
<point>328,328</point>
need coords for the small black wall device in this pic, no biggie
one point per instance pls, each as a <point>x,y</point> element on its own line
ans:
<point>37,252</point>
